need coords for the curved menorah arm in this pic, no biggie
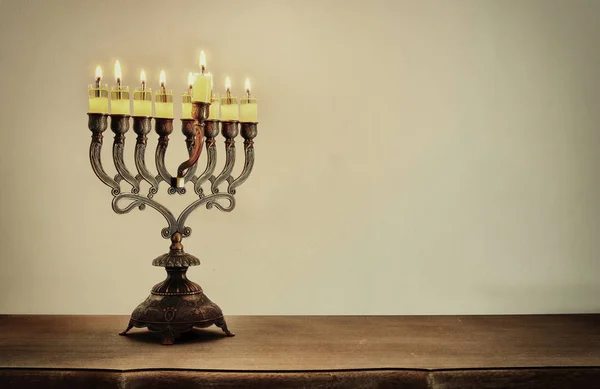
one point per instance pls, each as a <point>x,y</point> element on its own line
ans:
<point>138,201</point>
<point>164,128</point>
<point>97,123</point>
<point>211,130</point>
<point>187,128</point>
<point>249,132</point>
<point>210,201</point>
<point>142,126</point>
<point>119,124</point>
<point>195,141</point>
<point>229,130</point>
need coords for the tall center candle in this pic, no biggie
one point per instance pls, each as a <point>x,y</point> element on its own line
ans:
<point>203,83</point>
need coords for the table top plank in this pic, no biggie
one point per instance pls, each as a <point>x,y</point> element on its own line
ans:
<point>307,343</point>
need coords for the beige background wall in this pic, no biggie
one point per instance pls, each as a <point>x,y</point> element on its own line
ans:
<point>414,157</point>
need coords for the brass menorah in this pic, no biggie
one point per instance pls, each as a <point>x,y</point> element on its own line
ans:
<point>177,304</point>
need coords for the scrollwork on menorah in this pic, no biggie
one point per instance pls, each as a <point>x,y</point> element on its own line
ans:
<point>124,202</point>
<point>177,304</point>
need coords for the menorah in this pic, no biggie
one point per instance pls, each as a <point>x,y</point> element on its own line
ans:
<point>177,304</point>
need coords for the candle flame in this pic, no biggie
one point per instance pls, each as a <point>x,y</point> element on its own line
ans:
<point>227,83</point>
<point>191,79</point>
<point>163,78</point>
<point>202,61</point>
<point>143,77</point>
<point>118,72</point>
<point>98,72</point>
<point>247,87</point>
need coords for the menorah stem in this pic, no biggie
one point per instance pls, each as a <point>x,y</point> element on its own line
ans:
<point>142,126</point>
<point>119,124</point>
<point>249,132</point>
<point>97,123</point>
<point>229,129</point>
<point>211,130</point>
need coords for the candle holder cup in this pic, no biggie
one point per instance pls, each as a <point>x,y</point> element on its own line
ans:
<point>177,304</point>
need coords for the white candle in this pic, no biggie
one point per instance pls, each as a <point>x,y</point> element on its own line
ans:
<point>98,95</point>
<point>186,99</point>
<point>203,83</point>
<point>248,107</point>
<point>142,98</point>
<point>163,99</point>
<point>229,104</point>
<point>214,110</point>
<point>119,95</point>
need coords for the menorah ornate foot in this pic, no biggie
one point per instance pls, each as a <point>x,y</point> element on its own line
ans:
<point>173,315</point>
<point>223,325</point>
<point>129,326</point>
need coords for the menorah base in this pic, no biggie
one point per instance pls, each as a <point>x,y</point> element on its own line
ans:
<point>175,306</point>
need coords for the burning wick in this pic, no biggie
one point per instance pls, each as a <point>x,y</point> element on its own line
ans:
<point>163,81</point>
<point>118,77</point>
<point>98,76</point>
<point>190,83</point>
<point>228,89</point>
<point>202,61</point>
<point>98,79</point>
<point>247,88</point>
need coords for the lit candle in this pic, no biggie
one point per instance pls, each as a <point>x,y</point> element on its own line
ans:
<point>214,110</point>
<point>248,107</point>
<point>142,98</point>
<point>98,95</point>
<point>229,104</point>
<point>202,83</point>
<point>119,95</point>
<point>163,99</point>
<point>186,99</point>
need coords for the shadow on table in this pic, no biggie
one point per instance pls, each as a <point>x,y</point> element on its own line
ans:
<point>193,336</point>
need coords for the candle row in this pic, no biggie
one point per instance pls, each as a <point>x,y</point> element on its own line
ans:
<point>200,85</point>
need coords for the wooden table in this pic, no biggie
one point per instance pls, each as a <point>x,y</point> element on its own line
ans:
<point>444,352</point>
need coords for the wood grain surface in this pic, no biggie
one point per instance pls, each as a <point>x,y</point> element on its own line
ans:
<point>295,343</point>
<point>441,352</point>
